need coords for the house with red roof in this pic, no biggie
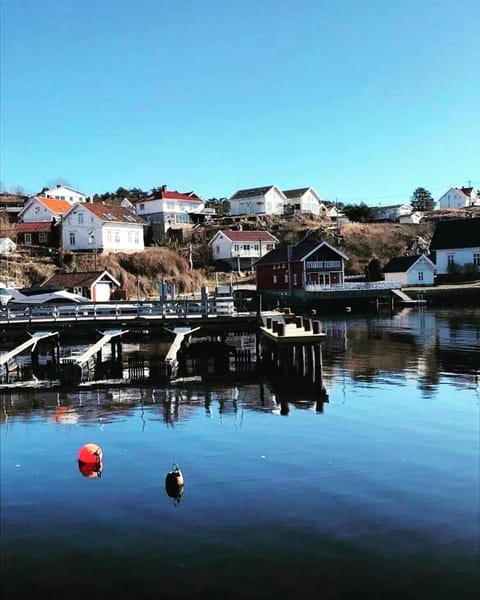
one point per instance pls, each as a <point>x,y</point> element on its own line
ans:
<point>171,209</point>
<point>240,249</point>
<point>459,197</point>
<point>43,209</point>
<point>102,228</point>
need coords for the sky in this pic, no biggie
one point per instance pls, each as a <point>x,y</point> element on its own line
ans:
<point>362,100</point>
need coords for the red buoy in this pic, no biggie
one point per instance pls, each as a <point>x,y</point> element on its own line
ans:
<point>90,454</point>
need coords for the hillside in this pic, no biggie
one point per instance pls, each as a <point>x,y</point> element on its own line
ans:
<point>140,273</point>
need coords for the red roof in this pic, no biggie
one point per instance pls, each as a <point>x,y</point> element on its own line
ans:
<point>466,191</point>
<point>249,236</point>
<point>39,226</point>
<point>164,194</point>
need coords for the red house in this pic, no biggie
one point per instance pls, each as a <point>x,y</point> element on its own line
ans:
<point>33,234</point>
<point>307,266</point>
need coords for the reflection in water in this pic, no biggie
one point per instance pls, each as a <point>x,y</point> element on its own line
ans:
<point>174,484</point>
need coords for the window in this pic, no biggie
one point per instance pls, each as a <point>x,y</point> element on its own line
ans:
<point>170,205</point>
<point>117,237</point>
<point>80,218</point>
<point>129,238</point>
<point>246,247</point>
<point>236,247</point>
<point>294,279</point>
<point>450,259</point>
<point>274,279</point>
<point>28,239</point>
<point>78,290</point>
<point>137,238</point>
<point>42,237</point>
<point>420,276</point>
<point>286,277</point>
<point>141,206</point>
<point>476,258</point>
<point>72,239</point>
<point>217,249</point>
<point>109,236</point>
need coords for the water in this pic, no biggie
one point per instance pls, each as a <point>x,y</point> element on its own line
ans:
<point>374,494</point>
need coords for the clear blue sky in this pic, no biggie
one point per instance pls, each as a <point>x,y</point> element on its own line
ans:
<point>363,100</point>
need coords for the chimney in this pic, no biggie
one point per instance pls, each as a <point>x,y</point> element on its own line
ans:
<point>164,188</point>
<point>59,185</point>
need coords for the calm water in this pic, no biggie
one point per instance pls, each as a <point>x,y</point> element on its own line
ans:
<point>375,495</point>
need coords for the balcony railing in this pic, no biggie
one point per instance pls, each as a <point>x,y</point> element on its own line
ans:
<point>324,264</point>
<point>245,254</point>
<point>374,285</point>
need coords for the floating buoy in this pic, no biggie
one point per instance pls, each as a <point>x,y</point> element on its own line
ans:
<point>174,484</point>
<point>90,454</point>
<point>90,470</point>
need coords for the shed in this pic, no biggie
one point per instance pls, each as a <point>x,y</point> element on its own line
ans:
<point>99,286</point>
<point>410,270</point>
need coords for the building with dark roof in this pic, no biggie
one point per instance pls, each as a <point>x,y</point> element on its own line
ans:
<point>98,286</point>
<point>266,200</point>
<point>410,270</point>
<point>456,242</point>
<point>304,200</point>
<point>307,266</point>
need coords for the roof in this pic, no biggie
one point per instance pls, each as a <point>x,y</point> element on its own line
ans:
<point>251,192</point>
<point>59,207</point>
<point>77,279</point>
<point>466,191</point>
<point>456,233</point>
<point>64,187</point>
<point>164,194</point>
<point>249,236</point>
<point>295,193</point>
<point>39,226</point>
<point>401,264</point>
<point>297,253</point>
<point>111,213</point>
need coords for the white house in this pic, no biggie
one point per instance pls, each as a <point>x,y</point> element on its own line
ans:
<point>170,209</point>
<point>269,200</point>
<point>459,198</point>
<point>414,217</point>
<point>410,270</point>
<point>456,242</point>
<point>41,209</point>
<point>240,249</point>
<point>305,200</point>
<point>102,227</point>
<point>64,192</point>
<point>391,213</point>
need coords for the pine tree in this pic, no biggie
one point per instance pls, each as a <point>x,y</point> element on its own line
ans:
<point>422,200</point>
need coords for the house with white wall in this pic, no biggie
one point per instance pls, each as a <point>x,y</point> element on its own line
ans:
<point>391,213</point>
<point>269,200</point>
<point>171,209</point>
<point>64,192</point>
<point>240,249</point>
<point>410,270</point>
<point>304,200</point>
<point>42,209</point>
<point>461,197</point>
<point>456,242</point>
<point>102,228</point>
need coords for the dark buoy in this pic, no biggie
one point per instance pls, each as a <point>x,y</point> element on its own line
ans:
<point>174,484</point>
